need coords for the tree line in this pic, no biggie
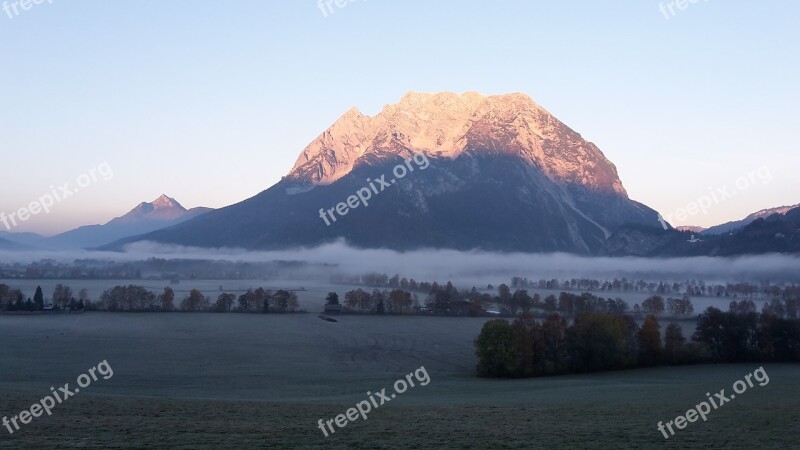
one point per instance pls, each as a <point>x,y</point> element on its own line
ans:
<point>447,300</point>
<point>596,342</point>
<point>139,299</point>
<point>695,288</point>
<point>62,299</point>
<point>135,298</point>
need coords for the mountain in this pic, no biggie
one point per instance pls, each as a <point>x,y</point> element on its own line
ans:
<point>491,172</point>
<point>144,218</point>
<point>739,224</point>
<point>25,238</point>
<point>777,233</point>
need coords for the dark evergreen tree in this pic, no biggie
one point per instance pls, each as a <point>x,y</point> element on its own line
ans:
<point>38,298</point>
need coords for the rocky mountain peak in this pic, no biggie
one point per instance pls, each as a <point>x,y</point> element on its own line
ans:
<point>449,125</point>
<point>161,209</point>
<point>166,202</point>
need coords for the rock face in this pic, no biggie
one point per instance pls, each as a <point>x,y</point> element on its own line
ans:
<point>501,173</point>
<point>447,125</point>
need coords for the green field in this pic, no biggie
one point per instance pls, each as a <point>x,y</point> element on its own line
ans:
<point>256,381</point>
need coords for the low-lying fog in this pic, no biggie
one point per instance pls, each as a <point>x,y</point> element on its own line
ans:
<point>463,268</point>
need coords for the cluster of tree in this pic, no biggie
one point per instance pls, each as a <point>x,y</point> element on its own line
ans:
<point>382,280</point>
<point>693,287</point>
<point>528,347</point>
<point>655,305</point>
<point>126,298</point>
<point>788,308</point>
<point>571,305</point>
<point>140,299</point>
<point>601,341</point>
<point>447,300</point>
<point>12,299</point>
<point>260,300</point>
<point>62,299</point>
<point>444,300</point>
<point>396,301</point>
<point>745,336</point>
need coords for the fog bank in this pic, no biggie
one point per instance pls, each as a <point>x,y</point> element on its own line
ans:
<point>467,268</point>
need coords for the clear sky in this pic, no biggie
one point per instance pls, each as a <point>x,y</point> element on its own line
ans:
<point>211,102</point>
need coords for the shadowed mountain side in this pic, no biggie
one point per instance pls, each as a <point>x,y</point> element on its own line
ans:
<point>486,202</point>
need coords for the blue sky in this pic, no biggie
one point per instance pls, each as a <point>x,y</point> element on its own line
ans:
<point>211,102</point>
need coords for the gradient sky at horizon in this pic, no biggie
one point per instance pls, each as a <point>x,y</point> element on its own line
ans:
<point>211,102</point>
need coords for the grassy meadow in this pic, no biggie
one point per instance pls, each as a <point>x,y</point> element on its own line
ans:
<point>263,381</point>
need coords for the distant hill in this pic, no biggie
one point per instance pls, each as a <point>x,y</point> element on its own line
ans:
<point>739,224</point>
<point>144,218</point>
<point>778,233</point>
<point>24,238</point>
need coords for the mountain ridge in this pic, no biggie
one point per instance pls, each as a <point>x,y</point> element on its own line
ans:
<point>739,224</point>
<point>445,124</point>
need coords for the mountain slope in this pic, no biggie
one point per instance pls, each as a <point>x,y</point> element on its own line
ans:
<point>496,172</point>
<point>144,218</point>
<point>739,224</point>
<point>778,233</point>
